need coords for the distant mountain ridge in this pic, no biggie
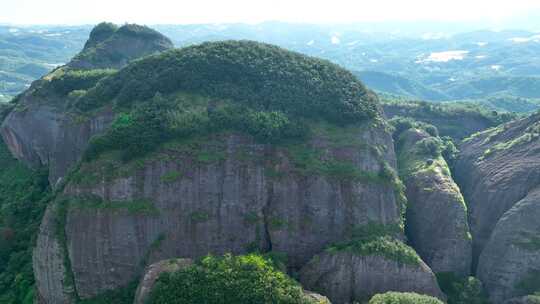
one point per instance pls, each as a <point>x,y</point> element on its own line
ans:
<point>430,64</point>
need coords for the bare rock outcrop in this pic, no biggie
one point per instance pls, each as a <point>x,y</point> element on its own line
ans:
<point>436,217</point>
<point>176,205</point>
<point>509,265</point>
<point>347,277</point>
<point>496,169</point>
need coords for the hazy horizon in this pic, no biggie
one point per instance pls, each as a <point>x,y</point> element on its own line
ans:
<point>481,13</point>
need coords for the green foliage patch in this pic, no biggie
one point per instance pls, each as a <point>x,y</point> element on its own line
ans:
<point>456,119</point>
<point>462,290</point>
<point>385,246</point>
<point>403,298</point>
<point>63,81</point>
<point>260,76</point>
<point>378,239</point>
<point>148,125</point>
<point>24,195</point>
<point>228,279</point>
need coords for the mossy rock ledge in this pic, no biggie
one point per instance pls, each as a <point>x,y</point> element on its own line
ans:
<point>357,273</point>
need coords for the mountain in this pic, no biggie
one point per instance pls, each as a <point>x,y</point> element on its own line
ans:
<point>196,150</point>
<point>140,171</point>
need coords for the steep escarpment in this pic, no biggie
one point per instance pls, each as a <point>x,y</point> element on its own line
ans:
<point>509,264</point>
<point>436,218</point>
<point>227,147</point>
<point>41,130</point>
<point>498,173</point>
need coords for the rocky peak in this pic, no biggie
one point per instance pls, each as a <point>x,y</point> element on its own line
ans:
<point>110,46</point>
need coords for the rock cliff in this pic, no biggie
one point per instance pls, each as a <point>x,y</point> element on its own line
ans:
<point>509,265</point>
<point>498,171</point>
<point>218,148</point>
<point>348,277</point>
<point>436,217</point>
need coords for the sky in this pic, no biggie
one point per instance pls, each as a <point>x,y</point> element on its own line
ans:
<point>254,11</point>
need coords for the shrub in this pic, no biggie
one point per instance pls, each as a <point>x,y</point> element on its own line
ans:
<point>384,246</point>
<point>228,279</point>
<point>459,290</point>
<point>403,298</point>
<point>136,133</point>
<point>431,146</point>
<point>449,150</point>
<point>65,81</point>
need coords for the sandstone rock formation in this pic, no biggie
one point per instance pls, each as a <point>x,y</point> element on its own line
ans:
<point>496,169</point>
<point>499,173</point>
<point>436,218</point>
<point>347,277</point>
<point>510,263</point>
<point>232,205</point>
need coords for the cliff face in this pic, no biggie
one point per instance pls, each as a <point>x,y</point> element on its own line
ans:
<point>498,171</point>
<point>244,197</point>
<point>436,218</point>
<point>510,261</point>
<point>43,135</point>
<point>223,191</point>
<point>346,277</point>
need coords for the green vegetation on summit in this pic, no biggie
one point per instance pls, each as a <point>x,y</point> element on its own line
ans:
<point>228,279</point>
<point>258,75</point>
<point>259,89</point>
